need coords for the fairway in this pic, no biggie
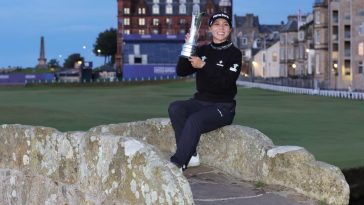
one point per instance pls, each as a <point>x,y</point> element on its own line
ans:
<point>332,129</point>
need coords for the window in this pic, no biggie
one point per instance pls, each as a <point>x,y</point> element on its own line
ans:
<point>169,9</point>
<point>155,9</point>
<point>126,10</point>
<point>347,67</point>
<point>182,9</point>
<point>361,49</point>
<point>196,1</point>
<point>301,35</point>
<point>347,49</point>
<point>347,16</point>
<point>155,22</point>
<point>141,10</point>
<point>168,21</point>
<point>347,31</point>
<point>274,56</point>
<point>361,29</point>
<point>317,37</point>
<point>127,31</point>
<point>361,13</point>
<point>360,67</point>
<point>244,41</point>
<point>335,16</point>
<point>182,21</point>
<point>169,1</point>
<point>141,32</point>
<point>317,64</point>
<point>141,21</point>
<point>317,17</point>
<point>126,21</point>
<point>156,1</point>
<point>196,8</point>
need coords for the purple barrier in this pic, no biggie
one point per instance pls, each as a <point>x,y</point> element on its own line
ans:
<point>18,78</point>
<point>154,37</point>
<point>140,72</point>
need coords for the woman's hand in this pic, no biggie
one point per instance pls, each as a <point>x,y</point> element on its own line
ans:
<point>187,37</point>
<point>196,62</point>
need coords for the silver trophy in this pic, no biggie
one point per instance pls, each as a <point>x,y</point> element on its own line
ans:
<point>189,48</point>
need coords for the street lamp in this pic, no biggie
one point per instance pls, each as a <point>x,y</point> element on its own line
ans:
<point>334,68</point>
<point>98,52</point>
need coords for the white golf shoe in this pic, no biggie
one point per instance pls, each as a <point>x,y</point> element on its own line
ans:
<point>194,161</point>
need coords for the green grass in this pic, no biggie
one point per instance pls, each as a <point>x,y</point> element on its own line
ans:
<point>332,129</point>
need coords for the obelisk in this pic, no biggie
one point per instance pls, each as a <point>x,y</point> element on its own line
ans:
<point>42,61</point>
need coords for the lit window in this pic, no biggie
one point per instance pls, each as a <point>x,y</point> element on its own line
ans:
<point>126,21</point>
<point>141,32</point>
<point>168,21</point>
<point>155,22</point>
<point>126,10</point>
<point>141,22</point>
<point>156,1</point>
<point>169,1</point>
<point>361,49</point>
<point>141,10</point>
<point>274,56</point>
<point>126,31</point>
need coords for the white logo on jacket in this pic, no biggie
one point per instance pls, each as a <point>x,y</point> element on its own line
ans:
<point>234,68</point>
<point>220,63</point>
<point>203,58</point>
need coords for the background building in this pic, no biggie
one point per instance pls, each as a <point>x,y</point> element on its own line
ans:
<point>151,32</point>
<point>266,62</point>
<point>339,43</point>
<point>250,37</point>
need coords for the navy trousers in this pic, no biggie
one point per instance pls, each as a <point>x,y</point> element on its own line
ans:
<point>190,119</point>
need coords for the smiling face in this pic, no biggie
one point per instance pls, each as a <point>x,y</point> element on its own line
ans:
<point>220,30</point>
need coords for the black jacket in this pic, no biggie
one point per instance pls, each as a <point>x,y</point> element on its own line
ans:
<point>216,81</point>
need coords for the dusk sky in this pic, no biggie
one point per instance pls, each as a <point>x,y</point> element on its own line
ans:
<point>69,25</point>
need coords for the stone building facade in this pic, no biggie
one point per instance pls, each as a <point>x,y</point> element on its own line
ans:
<point>339,43</point>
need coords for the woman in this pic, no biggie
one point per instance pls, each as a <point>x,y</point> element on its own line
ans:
<point>217,67</point>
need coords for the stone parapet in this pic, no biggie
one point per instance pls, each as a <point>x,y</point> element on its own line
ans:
<point>105,164</point>
<point>41,165</point>
<point>248,154</point>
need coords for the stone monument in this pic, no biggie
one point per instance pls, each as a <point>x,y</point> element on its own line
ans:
<point>42,61</point>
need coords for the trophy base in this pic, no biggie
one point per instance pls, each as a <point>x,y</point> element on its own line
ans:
<point>188,50</point>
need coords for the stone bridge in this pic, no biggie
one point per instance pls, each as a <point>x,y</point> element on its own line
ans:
<point>123,164</point>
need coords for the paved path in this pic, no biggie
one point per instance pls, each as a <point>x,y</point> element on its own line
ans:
<point>212,187</point>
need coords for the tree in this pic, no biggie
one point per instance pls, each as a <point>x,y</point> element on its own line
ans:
<point>53,63</point>
<point>105,45</point>
<point>72,59</point>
